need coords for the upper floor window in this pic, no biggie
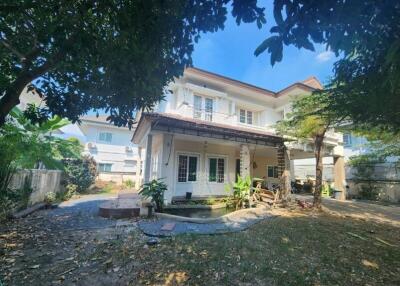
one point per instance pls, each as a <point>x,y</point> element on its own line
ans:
<point>198,103</point>
<point>105,137</point>
<point>246,116</point>
<point>347,140</point>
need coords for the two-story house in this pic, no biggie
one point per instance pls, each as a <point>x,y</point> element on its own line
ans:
<point>211,128</point>
<point>111,147</point>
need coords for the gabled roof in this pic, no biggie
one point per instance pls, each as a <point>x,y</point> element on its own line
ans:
<point>309,84</point>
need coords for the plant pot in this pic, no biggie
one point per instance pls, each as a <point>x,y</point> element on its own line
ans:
<point>188,195</point>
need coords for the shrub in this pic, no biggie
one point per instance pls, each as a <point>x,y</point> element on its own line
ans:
<point>241,192</point>
<point>155,190</point>
<point>80,172</point>
<point>50,198</point>
<point>129,184</point>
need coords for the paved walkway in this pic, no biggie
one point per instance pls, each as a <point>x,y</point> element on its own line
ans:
<point>81,213</point>
<point>233,222</point>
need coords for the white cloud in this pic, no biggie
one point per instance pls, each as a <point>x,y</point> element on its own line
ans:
<point>324,56</point>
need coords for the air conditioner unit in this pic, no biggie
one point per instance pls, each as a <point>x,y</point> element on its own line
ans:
<point>91,145</point>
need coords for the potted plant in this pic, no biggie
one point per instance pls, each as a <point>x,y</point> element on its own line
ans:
<point>155,190</point>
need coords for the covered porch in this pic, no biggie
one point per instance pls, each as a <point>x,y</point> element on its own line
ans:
<point>203,158</point>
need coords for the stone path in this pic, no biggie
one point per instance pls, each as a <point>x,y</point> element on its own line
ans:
<point>233,222</point>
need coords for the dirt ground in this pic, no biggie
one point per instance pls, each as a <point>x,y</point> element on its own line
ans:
<point>72,246</point>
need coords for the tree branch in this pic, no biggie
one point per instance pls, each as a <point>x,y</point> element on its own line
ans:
<point>12,49</point>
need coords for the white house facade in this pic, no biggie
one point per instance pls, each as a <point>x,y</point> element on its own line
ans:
<point>111,147</point>
<point>212,128</point>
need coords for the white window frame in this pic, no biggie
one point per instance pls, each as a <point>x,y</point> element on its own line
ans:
<point>349,141</point>
<point>105,135</point>
<point>104,164</point>
<point>207,167</point>
<point>187,154</point>
<point>274,169</point>
<point>246,116</point>
<point>203,114</point>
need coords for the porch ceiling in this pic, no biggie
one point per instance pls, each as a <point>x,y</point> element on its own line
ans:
<point>176,124</point>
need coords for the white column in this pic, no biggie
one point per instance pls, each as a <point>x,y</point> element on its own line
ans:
<point>167,166</point>
<point>244,161</point>
<point>138,168</point>
<point>147,163</point>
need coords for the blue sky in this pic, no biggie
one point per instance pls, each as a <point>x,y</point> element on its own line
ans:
<point>230,52</point>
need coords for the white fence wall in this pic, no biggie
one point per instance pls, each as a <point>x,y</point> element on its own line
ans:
<point>40,181</point>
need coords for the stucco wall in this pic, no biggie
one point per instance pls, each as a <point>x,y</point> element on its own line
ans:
<point>41,182</point>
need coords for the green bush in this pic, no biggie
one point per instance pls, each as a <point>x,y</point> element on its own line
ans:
<point>80,172</point>
<point>129,183</point>
<point>50,198</point>
<point>155,190</point>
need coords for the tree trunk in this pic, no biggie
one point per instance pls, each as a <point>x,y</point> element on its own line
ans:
<point>318,141</point>
<point>11,97</point>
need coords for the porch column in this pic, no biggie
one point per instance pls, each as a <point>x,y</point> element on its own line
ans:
<point>138,168</point>
<point>284,170</point>
<point>167,166</point>
<point>339,176</point>
<point>147,163</point>
<point>244,161</point>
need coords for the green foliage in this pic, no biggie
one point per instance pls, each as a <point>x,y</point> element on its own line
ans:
<point>241,192</point>
<point>364,168</point>
<point>129,183</point>
<point>98,54</point>
<point>364,34</point>
<point>13,199</point>
<point>50,198</point>
<point>27,145</point>
<point>155,190</point>
<point>80,172</point>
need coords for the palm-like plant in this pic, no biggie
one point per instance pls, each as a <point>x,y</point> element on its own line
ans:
<point>241,191</point>
<point>155,190</point>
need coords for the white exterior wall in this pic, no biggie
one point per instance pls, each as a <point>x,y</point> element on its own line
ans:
<point>120,152</point>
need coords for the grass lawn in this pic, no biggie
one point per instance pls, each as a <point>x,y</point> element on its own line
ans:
<point>290,250</point>
<point>298,248</point>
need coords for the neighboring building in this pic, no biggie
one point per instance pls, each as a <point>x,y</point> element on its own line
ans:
<point>111,147</point>
<point>212,128</point>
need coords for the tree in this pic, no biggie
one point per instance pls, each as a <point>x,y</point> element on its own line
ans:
<point>310,119</point>
<point>112,55</point>
<point>25,144</point>
<point>365,35</point>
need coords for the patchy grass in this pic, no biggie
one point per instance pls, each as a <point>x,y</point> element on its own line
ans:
<point>102,187</point>
<point>298,248</point>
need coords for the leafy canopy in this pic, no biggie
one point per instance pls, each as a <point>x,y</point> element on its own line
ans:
<point>25,144</point>
<point>365,35</point>
<point>111,55</point>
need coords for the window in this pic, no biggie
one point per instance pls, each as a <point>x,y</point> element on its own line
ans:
<point>105,137</point>
<point>105,167</point>
<point>130,163</point>
<point>209,109</point>
<point>197,107</point>
<point>347,140</point>
<point>199,112</point>
<point>245,116</point>
<point>187,168</point>
<point>242,116</point>
<point>216,170</point>
<point>272,171</point>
